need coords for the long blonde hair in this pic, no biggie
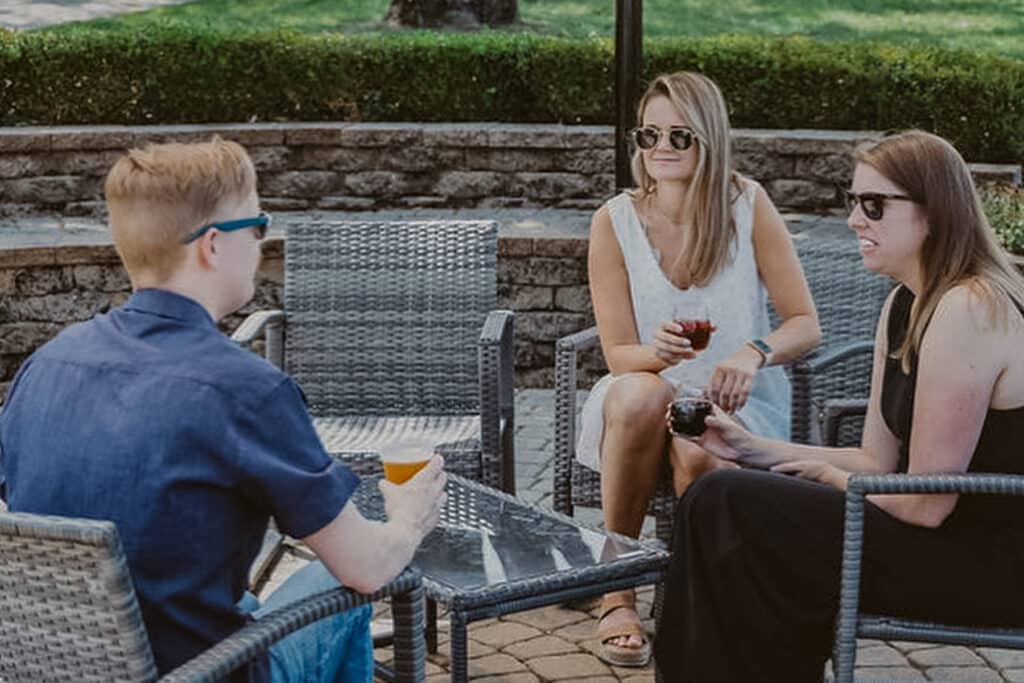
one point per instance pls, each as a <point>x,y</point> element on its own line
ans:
<point>960,246</point>
<point>714,185</point>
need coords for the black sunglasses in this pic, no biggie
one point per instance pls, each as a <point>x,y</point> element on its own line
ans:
<point>871,203</point>
<point>260,223</point>
<point>648,137</point>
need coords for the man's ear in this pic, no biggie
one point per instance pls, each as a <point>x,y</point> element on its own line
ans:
<point>206,250</point>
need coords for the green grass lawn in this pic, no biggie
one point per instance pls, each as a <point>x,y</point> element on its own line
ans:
<point>994,26</point>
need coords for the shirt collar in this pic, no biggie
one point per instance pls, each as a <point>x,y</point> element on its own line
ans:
<point>168,304</point>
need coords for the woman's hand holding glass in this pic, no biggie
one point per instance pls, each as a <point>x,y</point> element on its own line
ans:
<point>670,346</point>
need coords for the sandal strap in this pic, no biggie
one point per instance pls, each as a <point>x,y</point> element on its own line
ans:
<point>613,601</point>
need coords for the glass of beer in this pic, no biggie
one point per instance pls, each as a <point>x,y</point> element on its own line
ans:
<point>403,458</point>
<point>695,319</point>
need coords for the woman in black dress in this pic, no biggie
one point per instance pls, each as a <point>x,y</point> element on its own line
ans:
<point>754,583</point>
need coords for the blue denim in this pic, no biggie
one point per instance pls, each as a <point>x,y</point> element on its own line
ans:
<point>336,649</point>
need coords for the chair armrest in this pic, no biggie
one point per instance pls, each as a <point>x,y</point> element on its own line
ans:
<point>566,357</point>
<point>496,349</point>
<point>822,373</point>
<point>256,637</point>
<point>836,412</point>
<point>268,323</point>
<point>859,486</point>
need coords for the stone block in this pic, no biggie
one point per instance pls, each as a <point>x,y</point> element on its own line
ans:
<point>494,665</point>
<point>59,308</point>
<point>541,271</point>
<point>575,299</point>
<point>422,159</point>
<point>251,134</point>
<point>548,618</point>
<point>503,633</point>
<point>540,647</point>
<point>505,203</point>
<point>334,158</point>
<point>40,281</point>
<point>30,256</point>
<point>587,161</point>
<point>284,203</point>
<point>533,354</point>
<point>7,281</point>
<point>314,134</point>
<point>271,270</point>
<point>997,173</point>
<point>535,379</point>
<point>458,135</point>
<point>185,134</point>
<point>468,184</point>
<point>119,138</point>
<point>763,166</point>
<point>421,202</point>
<point>551,185</point>
<point>949,655</point>
<point>560,667</point>
<point>25,140</point>
<point>1002,658</point>
<point>563,247</point>
<point>49,190</point>
<point>95,209</point>
<point>590,137</point>
<point>301,184</point>
<point>381,134</point>
<point>802,194</point>
<point>489,159</point>
<point>583,203</point>
<point>109,278</point>
<point>528,135</point>
<point>548,326</point>
<point>346,203</point>
<point>525,297</point>
<point>26,337</point>
<point>19,165</point>
<point>271,158</point>
<point>514,246</point>
<point>75,162</point>
<point>963,674</point>
<point>834,168</point>
<point>377,184</point>
<point>86,253</point>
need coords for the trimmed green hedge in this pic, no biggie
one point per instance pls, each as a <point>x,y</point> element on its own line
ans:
<point>1004,206</point>
<point>168,74</point>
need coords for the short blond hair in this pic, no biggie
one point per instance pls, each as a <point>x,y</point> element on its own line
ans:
<point>158,195</point>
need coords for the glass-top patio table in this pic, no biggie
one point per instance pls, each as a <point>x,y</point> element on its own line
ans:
<point>493,554</point>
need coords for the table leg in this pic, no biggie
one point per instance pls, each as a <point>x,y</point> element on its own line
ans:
<point>459,647</point>
<point>410,659</point>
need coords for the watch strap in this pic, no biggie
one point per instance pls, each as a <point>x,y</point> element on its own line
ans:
<point>762,347</point>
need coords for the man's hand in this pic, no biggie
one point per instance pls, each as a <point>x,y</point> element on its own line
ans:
<point>417,504</point>
<point>725,437</point>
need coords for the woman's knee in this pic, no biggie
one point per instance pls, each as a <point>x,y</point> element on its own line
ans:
<point>637,400</point>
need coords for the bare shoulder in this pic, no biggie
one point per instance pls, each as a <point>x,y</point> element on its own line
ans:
<point>968,306</point>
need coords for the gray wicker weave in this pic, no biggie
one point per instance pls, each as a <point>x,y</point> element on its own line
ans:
<point>848,299</point>
<point>851,623</point>
<point>68,612</point>
<point>390,330</point>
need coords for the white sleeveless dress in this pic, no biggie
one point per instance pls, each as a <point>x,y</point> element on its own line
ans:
<point>737,300</point>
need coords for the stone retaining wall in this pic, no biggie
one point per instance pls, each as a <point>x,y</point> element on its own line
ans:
<point>43,289</point>
<point>364,166</point>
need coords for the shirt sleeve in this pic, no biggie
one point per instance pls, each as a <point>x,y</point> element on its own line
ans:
<point>284,467</point>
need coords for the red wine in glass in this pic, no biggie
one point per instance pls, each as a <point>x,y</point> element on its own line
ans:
<point>698,332</point>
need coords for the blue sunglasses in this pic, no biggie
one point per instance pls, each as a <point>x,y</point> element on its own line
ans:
<point>261,223</point>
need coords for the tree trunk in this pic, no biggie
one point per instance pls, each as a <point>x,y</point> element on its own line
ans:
<point>457,14</point>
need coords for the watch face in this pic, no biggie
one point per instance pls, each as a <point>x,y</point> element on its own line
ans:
<point>761,346</point>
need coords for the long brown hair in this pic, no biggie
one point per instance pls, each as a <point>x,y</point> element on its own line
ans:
<point>960,246</point>
<point>714,185</point>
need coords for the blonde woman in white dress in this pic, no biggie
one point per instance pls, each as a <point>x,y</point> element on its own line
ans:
<point>694,231</point>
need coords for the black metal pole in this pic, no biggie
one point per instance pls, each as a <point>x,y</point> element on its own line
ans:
<point>628,60</point>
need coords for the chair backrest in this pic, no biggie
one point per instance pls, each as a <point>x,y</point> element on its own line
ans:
<point>384,317</point>
<point>847,295</point>
<point>67,605</point>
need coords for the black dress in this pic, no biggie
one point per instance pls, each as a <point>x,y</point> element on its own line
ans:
<point>753,588</point>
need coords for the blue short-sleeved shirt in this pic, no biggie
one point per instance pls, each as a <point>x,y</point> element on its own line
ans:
<point>150,417</point>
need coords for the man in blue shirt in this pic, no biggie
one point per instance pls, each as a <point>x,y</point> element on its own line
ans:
<point>150,417</point>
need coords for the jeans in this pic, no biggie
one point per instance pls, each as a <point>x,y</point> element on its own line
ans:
<point>336,649</point>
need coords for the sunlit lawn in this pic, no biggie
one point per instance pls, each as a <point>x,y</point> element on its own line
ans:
<point>995,26</point>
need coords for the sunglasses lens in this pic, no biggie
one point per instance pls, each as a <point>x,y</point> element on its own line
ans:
<point>872,207</point>
<point>680,139</point>
<point>646,138</point>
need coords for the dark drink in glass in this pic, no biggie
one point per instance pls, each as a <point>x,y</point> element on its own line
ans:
<point>698,332</point>
<point>687,416</point>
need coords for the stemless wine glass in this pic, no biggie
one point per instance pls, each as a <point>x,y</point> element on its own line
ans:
<point>695,319</point>
<point>686,416</point>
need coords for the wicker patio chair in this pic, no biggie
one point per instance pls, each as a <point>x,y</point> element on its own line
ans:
<point>848,299</point>
<point>68,612</point>
<point>852,624</point>
<point>390,330</point>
